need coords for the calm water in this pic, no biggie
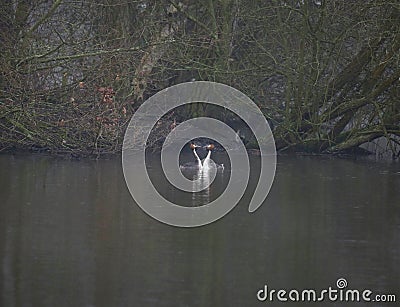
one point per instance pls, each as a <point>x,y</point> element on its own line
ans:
<point>71,235</point>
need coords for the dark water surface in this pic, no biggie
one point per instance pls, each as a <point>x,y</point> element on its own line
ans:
<point>71,235</point>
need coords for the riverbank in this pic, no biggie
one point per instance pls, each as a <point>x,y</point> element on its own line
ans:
<point>67,155</point>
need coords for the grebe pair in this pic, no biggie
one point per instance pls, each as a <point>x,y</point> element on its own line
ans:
<point>207,163</point>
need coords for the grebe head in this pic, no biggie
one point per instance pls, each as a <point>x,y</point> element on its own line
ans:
<point>210,147</point>
<point>194,146</point>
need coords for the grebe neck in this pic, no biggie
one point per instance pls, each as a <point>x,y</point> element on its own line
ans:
<point>197,158</point>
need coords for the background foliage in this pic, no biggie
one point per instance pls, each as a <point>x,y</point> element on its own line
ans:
<point>325,73</point>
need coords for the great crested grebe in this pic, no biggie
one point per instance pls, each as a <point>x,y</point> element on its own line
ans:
<point>207,163</point>
<point>193,165</point>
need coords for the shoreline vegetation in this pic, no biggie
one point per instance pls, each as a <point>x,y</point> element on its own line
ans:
<point>79,154</point>
<point>325,74</point>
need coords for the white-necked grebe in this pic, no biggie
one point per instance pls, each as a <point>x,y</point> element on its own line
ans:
<point>207,163</point>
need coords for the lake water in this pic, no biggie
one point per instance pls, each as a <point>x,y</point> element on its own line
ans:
<point>71,235</point>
